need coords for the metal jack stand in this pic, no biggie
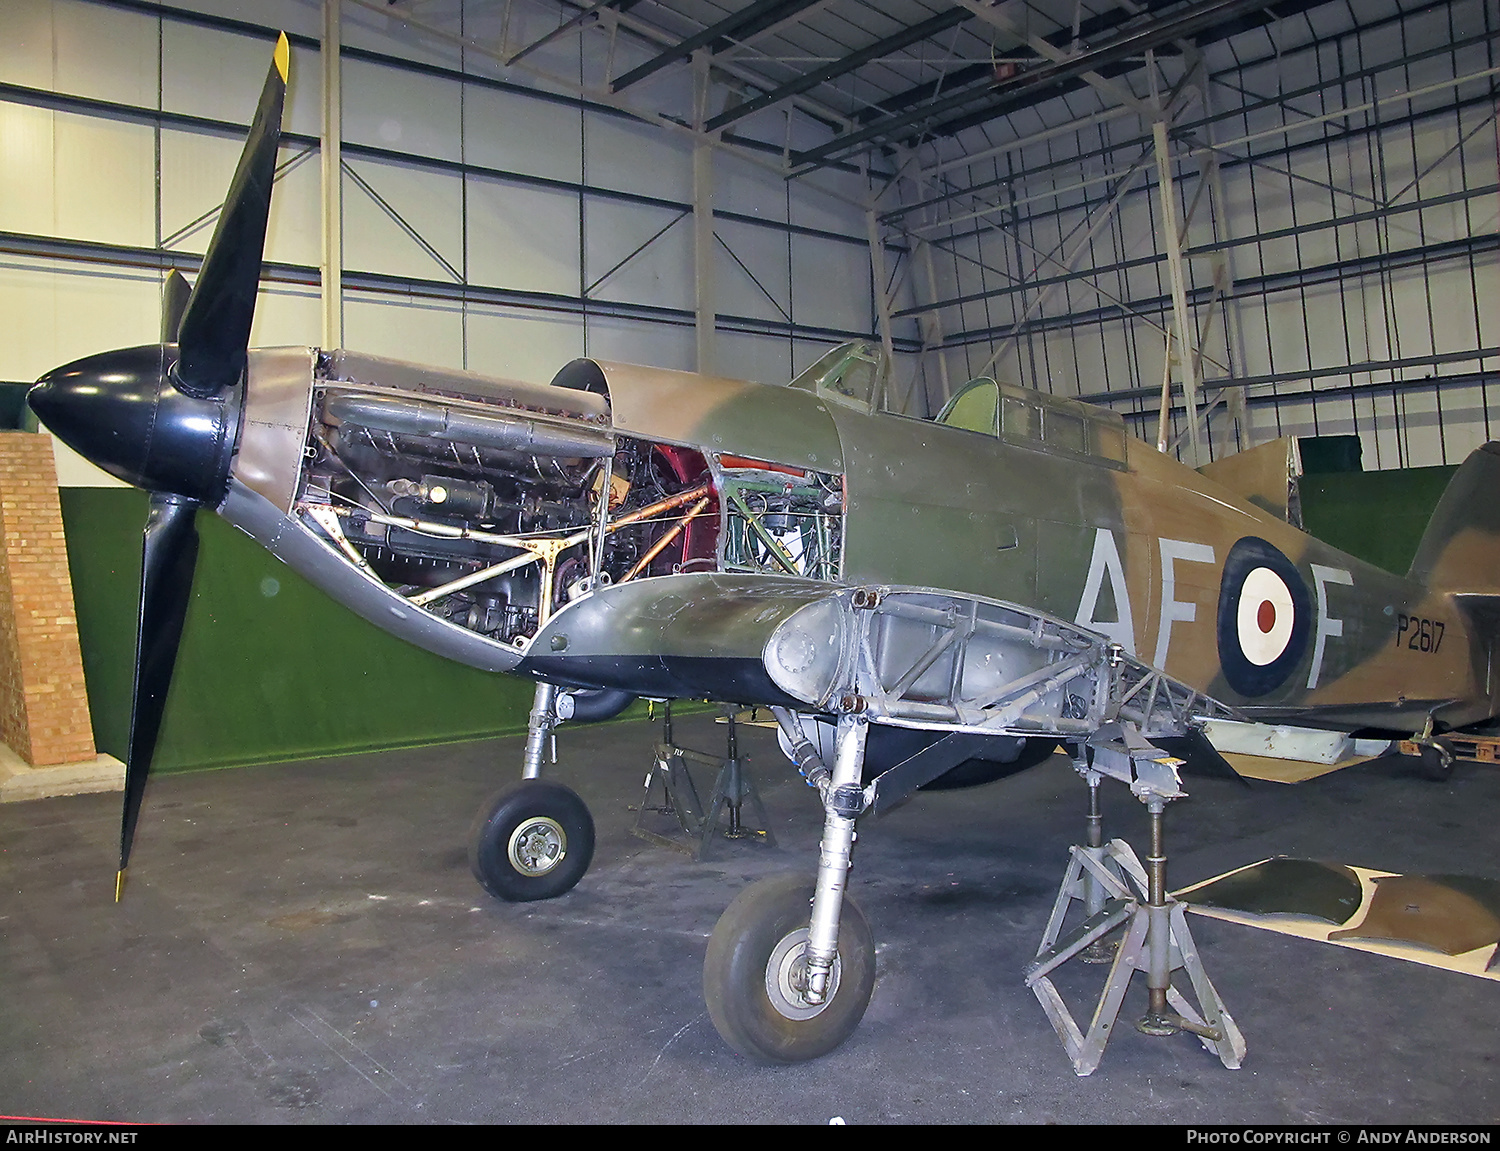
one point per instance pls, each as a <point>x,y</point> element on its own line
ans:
<point>680,798</point>
<point>1116,892</point>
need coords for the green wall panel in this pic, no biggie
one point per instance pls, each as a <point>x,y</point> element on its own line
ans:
<point>270,668</point>
<point>1378,517</point>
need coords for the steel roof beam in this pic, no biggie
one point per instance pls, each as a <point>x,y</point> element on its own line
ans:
<point>1197,18</point>
<point>740,24</point>
<point>903,39</point>
<point>931,89</point>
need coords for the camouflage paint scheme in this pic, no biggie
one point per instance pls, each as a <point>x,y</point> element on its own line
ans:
<point>1103,532</point>
<point>931,505</point>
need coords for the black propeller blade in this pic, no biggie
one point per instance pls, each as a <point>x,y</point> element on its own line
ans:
<point>175,293</point>
<point>165,418</point>
<point>211,326</point>
<point>215,328</point>
<point>168,555</point>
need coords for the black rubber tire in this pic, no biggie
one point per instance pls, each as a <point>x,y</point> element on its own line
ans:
<point>596,704</point>
<point>978,772</point>
<point>740,951</point>
<point>543,822</point>
<point>1435,765</point>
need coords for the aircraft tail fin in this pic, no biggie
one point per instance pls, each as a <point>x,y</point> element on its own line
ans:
<point>1460,550</point>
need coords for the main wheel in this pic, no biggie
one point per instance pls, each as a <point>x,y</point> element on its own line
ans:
<point>752,972</point>
<point>532,841</point>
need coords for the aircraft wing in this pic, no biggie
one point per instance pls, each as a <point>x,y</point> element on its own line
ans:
<point>905,656</point>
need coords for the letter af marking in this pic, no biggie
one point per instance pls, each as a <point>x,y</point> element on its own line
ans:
<point>1106,561</point>
<point>1173,609</point>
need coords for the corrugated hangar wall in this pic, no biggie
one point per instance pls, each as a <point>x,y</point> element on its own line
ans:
<point>511,229</point>
<point>1333,174</point>
<point>486,227</point>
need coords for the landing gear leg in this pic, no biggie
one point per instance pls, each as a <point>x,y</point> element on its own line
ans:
<point>535,839</point>
<point>780,986</point>
<point>538,728</point>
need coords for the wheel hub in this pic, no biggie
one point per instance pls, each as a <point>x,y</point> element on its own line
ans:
<point>537,846</point>
<point>786,978</point>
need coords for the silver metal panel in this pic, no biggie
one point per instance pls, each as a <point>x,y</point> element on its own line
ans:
<point>355,367</point>
<point>274,427</point>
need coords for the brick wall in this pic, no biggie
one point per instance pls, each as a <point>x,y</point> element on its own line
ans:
<point>44,711</point>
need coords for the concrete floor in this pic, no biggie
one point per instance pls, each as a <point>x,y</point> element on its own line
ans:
<point>303,943</point>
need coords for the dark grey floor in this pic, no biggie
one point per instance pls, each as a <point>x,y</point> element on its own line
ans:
<point>304,943</point>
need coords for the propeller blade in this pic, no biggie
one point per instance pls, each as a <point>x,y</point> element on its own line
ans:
<point>168,555</point>
<point>175,292</point>
<point>215,328</point>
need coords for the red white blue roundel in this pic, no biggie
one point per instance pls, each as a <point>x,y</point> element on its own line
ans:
<point>1265,614</point>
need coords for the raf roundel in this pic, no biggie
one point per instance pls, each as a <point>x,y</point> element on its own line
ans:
<point>1265,614</point>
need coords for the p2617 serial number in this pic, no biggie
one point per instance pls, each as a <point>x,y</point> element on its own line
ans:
<point>1417,633</point>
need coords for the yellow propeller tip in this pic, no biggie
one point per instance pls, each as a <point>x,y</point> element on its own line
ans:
<point>283,56</point>
<point>119,884</point>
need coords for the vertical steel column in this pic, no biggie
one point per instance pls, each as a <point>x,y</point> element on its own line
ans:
<point>704,303</point>
<point>333,190</point>
<point>880,277</point>
<point>929,324</point>
<point>1186,346</point>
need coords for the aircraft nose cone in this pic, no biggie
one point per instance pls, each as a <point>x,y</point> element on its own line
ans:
<point>121,411</point>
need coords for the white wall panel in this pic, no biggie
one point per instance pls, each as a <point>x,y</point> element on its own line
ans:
<point>405,328</point>
<point>522,237</point>
<point>50,164</point>
<point>219,75</point>
<point>831,284</point>
<point>633,157</point>
<point>517,133</point>
<point>287,315</point>
<point>1421,430</point>
<point>1463,421</point>
<point>196,169</point>
<point>764,359</point>
<point>1411,312</point>
<point>429,203</point>
<point>388,33</point>
<point>405,112</point>
<point>79,48</point>
<point>522,345</point>
<point>293,16</point>
<point>216,74</point>
<point>765,258</point>
<point>634,342</point>
<point>744,187</point>
<point>661,273</point>
<point>1454,306</point>
<point>57,311</point>
<point>829,200</point>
